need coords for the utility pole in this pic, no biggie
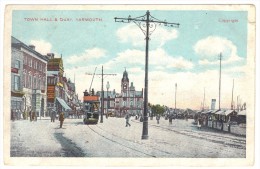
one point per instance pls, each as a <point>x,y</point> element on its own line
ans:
<point>232,101</point>
<point>102,89</point>
<point>220,57</point>
<point>175,97</point>
<point>203,100</point>
<point>147,24</point>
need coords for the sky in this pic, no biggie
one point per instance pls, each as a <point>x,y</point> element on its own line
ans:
<point>187,56</point>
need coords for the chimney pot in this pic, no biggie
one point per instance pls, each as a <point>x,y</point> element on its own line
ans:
<point>32,47</point>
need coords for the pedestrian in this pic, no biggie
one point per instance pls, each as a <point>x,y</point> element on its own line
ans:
<point>30,114</point>
<point>157,118</point>
<point>53,115</point>
<point>33,115</point>
<point>61,119</point>
<point>12,115</point>
<point>127,117</point>
<point>170,119</point>
<point>199,123</point>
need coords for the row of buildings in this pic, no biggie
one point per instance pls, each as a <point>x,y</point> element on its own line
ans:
<point>38,83</point>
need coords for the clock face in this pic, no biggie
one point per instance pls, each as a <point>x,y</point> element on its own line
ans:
<point>125,86</point>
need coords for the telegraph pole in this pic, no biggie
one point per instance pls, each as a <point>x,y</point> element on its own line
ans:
<point>147,24</point>
<point>102,90</point>
<point>232,101</point>
<point>175,97</point>
<point>220,57</point>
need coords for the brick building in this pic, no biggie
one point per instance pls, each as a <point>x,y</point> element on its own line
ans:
<point>33,76</point>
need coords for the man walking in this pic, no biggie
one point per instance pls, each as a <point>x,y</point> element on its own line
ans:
<point>158,118</point>
<point>53,115</point>
<point>61,118</point>
<point>127,117</point>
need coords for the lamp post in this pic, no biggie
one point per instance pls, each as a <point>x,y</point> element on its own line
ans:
<point>107,86</point>
<point>147,23</point>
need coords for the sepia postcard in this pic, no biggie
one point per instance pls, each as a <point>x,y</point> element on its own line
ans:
<point>129,85</point>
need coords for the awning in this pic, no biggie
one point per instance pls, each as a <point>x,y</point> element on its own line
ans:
<point>221,112</point>
<point>51,73</point>
<point>63,104</point>
<point>215,111</point>
<point>204,112</point>
<point>242,113</point>
<point>226,113</point>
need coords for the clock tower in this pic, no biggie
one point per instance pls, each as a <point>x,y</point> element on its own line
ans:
<point>125,84</point>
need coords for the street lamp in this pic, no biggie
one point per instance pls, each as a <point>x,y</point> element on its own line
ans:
<point>107,86</point>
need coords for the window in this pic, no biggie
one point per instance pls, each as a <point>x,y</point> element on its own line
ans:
<point>16,82</point>
<point>35,66</point>
<point>34,82</point>
<point>40,67</point>
<point>24,79</point>
<point>25,60</point>
<point>30,62</point>
<point>39,84</point>
<point>17,64</point>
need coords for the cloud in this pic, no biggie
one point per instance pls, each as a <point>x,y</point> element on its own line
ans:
<point>159,57</point>
<point>131,33</point>
<point>88,54</point>
<point>208,49</point>
<point>42,46</point>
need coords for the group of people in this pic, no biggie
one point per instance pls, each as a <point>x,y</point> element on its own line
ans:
<point>18,115</point>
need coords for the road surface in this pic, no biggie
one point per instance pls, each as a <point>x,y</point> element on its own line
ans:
<point>111,138</point>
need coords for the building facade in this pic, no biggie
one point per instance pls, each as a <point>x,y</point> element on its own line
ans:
<point>33,77</point>
<point>17,94</point>
<point>129,100</point>
<point>56,85</point>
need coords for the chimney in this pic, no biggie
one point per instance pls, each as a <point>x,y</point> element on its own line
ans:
<point>50,55</point>
<point>32,47</point>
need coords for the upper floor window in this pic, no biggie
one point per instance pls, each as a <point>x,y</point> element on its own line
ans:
<point>30,62</point>
<point>25,60</point>
<point>16,82</point>
<point>17,64</point>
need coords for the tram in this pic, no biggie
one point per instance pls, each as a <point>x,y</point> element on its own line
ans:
<point>91,105</point>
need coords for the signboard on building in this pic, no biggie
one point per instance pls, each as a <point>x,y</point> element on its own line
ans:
<point>50,93</point>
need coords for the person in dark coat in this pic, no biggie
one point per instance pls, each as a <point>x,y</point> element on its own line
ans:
<point>53,115</point>
<point>61,119</point>
<point>30,114</point>
<point>127,117</point>
<point>158,118</point>
<point>170,119</point>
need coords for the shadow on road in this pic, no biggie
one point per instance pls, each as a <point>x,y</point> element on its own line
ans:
<point>69,148</point>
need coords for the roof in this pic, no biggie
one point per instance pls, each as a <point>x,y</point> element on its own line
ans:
<point>17,43</point>
<point>242,113</point>
<point>214,111</point>
<point>139,93</point>
<point>221,112</point>
<point>204,112</point>
<point>226,113</point>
